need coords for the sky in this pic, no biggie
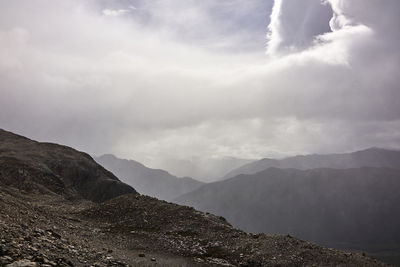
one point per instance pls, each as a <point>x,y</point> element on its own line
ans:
<point>154,80</point>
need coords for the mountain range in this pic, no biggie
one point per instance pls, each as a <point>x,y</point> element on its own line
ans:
<point>318,205</point>
<point>342,206</point>
<point>147,181</point>
<point>60,208</point>
<point>372,157</point>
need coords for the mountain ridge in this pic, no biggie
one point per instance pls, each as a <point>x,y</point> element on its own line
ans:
<point>32,165</point>
<point>357,206</point>
<point>153,182</point>
<point>372,157</point>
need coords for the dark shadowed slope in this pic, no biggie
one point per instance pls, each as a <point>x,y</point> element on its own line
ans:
<point>372,157</point>
<point>151,182</point>
<point>52,168</point>
<point>357,206</point>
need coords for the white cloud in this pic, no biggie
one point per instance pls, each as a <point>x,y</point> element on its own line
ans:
<point>72,75</point>
<point>115,12</point>
<point>295,24</point>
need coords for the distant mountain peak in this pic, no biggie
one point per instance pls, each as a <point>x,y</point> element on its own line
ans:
<point>374,157</point>
<point>111,156</point>
<point>153,182</point>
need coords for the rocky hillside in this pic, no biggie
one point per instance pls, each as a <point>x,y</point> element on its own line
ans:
<point>47,219</point>
<point>353,208</point>
<point>372,157</point>
<point>49,168</point>
<point>147,181</point>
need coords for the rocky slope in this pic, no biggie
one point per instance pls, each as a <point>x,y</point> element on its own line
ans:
<point>47,220</point>
<point>134,230</point>
<point>147,181</point>
<point>372,157</point>
<point>49,168</point>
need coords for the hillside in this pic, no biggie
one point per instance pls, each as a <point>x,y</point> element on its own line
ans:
<point>49,168</point>
<point>47,219</point>
<point>356,207</point>
<point>372,157</point>
<point>147,181</point>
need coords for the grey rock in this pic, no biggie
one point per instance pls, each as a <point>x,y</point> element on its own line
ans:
<point>23,263</point>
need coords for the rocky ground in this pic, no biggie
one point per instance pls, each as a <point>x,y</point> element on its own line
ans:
<point>134,230</point>
<point>47,231</point>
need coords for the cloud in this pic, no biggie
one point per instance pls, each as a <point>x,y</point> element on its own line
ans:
<point>220,25</point>
<point>354,62</point>
<point>114,13</point>
<point>295,24</point>
<point>157,83</point>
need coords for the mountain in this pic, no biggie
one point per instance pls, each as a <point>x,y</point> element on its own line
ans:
<point>57,210</point>
<point>45,167</point>
<point>357,208</point>
<point>151,182</point>
<point>372,157</point>
<point>205,169</point>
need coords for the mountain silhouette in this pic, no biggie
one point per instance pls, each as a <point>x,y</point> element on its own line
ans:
<point>46,167</point>
<point>147,181</point>
<point>372,157</point>
<point>357,208</point>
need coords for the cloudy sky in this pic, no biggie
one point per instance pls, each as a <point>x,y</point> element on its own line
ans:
<point>158,79</point>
